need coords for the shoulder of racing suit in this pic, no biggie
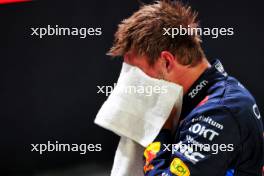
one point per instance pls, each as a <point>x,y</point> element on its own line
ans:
<point>221,131</point>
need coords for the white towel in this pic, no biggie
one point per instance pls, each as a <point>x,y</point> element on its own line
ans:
<point>136,110</point>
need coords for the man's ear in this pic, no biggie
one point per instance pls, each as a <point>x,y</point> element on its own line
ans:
<point>168,60</point>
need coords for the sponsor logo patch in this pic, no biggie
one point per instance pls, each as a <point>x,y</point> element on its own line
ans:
<point>208,120</point>
<point>202,130</point>
<point>188,152</point>
<point>220,68</point>
<point>178,168</point>
<point>198,88</point>
<point>150,153</point>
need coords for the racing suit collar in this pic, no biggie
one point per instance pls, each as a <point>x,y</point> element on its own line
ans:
<point>198,93</point>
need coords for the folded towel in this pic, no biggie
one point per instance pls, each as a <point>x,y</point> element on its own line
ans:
<point>136,110</point>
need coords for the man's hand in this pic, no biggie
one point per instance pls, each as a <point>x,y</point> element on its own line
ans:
<point>171,120</point>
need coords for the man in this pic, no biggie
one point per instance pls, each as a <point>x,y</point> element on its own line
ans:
<point>220,129</point>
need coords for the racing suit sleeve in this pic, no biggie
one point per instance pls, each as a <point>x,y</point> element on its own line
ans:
<point>206,144</point>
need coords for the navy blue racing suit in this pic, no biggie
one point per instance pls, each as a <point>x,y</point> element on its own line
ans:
<point>220,132</point>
